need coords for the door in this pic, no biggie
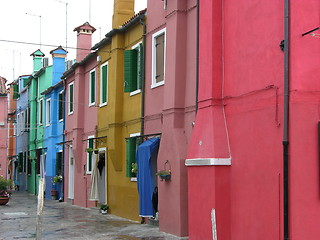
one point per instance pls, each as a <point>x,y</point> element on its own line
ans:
<point>102,176</point>
<point>71,174</point>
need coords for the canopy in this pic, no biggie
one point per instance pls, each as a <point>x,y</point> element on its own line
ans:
<point>144,176</point>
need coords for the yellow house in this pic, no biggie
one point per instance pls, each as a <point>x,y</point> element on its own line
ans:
<point>120,76</point>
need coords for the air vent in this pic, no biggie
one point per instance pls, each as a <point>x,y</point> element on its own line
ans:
<point>45,62</point>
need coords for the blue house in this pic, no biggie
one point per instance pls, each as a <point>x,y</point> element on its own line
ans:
<point>54,125</point>
<point>22,124</point>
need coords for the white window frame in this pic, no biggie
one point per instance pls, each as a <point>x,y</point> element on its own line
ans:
<point>18,125</point>
<point>154,57</point>
<point>69,100</point>
<point>101,92</point>
<point>48,111</point>
<point>90,86</point>
<point>135,92</point>
<point>134,179</point>
<point>60,120</point>
<point>93,155</point>
<point>22,127</point>
<point>40,114</point>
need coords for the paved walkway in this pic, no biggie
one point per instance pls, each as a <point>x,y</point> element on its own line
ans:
<point>64,221</point>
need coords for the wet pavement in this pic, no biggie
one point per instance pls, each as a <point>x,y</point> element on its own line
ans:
<point>64,221</point>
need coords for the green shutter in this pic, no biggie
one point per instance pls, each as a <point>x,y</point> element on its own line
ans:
<point>25,80</point>
<point>93,87</point>
<point>130,155</point>
<point>59,163</point>
<point>104,83</point>
<point>15,91</point>
<point>61,105</point>
<point>140,67</point>
<point>130,70</point>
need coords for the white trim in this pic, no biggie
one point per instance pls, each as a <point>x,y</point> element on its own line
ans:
<point>103,103</point>
<point>72,83</point>
<point>40,112</point>
<point>134,134</point>
<point>90,86</point>
<point>208,162</point>
<point>154,36</point>
<point>135,92</point>
<point>48,112</point>
<point>138,90</point>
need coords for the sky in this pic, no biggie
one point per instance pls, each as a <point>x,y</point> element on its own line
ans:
<point>21,21</point>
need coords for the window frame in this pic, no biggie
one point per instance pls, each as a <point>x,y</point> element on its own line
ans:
<point>70,101</point>
<point>138,90</point>
<point>133,135</point>
<point>101,84</point>
<point>154,84</point>
<point>48,111</point>
<point>61,103</point>
<point>40,116</point>
<point>90,87</point>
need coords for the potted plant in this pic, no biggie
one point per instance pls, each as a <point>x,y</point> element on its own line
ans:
<point>104,208</point>
<point>134,168</point>
<point>5,190</point>
<point>95,150</point>
<point>54,192</point>
<point>56,179</point>
<point>164,174</point>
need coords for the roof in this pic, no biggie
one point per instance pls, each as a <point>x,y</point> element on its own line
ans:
<point>37,53</point>
<point>3,88</point>
<point>86,25</point>
<point>75,65</point>
<point>58,50</point>
<point>132,21</point>
<point>48,90</point>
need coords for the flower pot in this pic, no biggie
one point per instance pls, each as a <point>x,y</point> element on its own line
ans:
<point>54,194</point>
<point>4,200</point>
<point>104,212</point>
<point>165,177</point>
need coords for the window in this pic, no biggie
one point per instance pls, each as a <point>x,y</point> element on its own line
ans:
<point>22,126</point>
<point>59,163</point>
<point>104,84</point>
<point>61,106</point>
<point>90,154</point>
<point>158,57</point>
<point>41,112</point>
<point>133,68</point>
<point>18,124</point>
<point>29,163</point>
<point>25,162</point>
<point>16,91</point>
<point>20,162</point>
<point>48,112</point>
<point>26,120</point>
<point>92,88</point>
<point>70,98</point>
<point>132,144</point>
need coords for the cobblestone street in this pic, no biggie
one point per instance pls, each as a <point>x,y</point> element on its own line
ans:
<point>64,221</point>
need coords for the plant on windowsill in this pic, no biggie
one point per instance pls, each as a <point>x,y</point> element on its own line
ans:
<point>164,175</point>
<point>134,168</point>
<point>5,190</point>
<point>56,179</point>
<point>104,208</point>
<point>95,150</point>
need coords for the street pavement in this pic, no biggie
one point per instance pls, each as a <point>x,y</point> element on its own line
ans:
<point>61,220</point>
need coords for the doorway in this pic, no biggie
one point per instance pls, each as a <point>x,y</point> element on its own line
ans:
<point>71,174</point>
<point>102,176</point>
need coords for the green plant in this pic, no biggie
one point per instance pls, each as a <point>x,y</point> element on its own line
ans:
<point>163,172</point>
<point>104,207</point>
<point>134,168</point>
<point>92,150</point>
<point>57,179</point>
<point>5,187</point>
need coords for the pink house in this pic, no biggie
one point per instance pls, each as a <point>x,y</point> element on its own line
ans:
<point>170,99</point>
<point>81,119</point>
<point>3,127</point>
<point>253,163</point>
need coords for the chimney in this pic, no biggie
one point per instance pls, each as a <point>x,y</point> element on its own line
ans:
<point>123,10</point>
<point>37,60</point>
<point>58,64</point>
<point>84,40</point>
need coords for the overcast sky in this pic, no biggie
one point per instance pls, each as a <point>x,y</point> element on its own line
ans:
<point>17,26</point>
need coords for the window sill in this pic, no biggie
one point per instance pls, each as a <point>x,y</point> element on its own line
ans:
<point>154,85</point>
<point>135,92</point>
<point>133,179</point>
<point>103,104</point>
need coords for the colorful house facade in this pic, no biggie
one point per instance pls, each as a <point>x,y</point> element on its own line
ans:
<point>22,169</point>
<point>54,125</point>
<point>120,72</point>
<point>3,127</point>
<point>81,121</point>
<point>170,102</point>
<point>253,165</point>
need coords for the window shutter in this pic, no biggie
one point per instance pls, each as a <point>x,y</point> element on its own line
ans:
<point>61,105</point>
<point>130,70</point>
<point>104,83</point>
<point>59,163</point>
<point>25,82</point>
<point>140,67</point>
<point>15,91</point>
<point>93,87</point>
<point>71,98</point>
<point>130,155</point>
<point>90,155</point>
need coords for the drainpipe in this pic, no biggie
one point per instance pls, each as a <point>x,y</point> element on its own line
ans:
<point>35,137</point>
<point>143,74</point>
<point>63,140</point>
<point>286,124</point>
<point>197,56</point>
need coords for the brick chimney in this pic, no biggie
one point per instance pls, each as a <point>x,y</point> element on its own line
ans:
<point>84,40</point>
<point>123,10</point>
